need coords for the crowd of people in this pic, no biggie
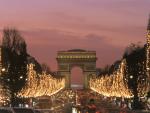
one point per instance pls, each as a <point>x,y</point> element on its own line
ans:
<point>90,102</point>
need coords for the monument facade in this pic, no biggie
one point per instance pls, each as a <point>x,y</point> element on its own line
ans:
<point>86,60</point>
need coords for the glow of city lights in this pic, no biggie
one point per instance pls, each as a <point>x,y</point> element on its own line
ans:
<point>41,85</point>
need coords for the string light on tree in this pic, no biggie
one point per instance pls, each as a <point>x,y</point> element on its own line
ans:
<point>113,85</point>
<point>40,84</point>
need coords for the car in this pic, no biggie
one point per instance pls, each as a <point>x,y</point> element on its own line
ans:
<point>43,111</point>
<point>23,110</point>
<point>6,110</point>
<point>37,111</point>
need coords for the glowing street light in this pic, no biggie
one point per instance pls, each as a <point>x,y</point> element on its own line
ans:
<point>21,77</point>
<point>3,69</point>
<point>131,77</point>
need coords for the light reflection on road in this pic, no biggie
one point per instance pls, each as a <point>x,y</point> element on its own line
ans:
<point>74,110</point>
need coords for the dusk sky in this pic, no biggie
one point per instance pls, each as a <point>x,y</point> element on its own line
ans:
<point>106,26</point>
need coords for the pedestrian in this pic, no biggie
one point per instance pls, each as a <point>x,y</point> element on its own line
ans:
<point>91,107</point>
<point>68,107</point>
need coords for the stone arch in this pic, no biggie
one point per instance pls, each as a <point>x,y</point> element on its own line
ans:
<point>86,60</point>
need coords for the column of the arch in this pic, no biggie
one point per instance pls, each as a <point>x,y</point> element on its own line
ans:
<point>67,79</point>
<point>87,78</point>
<point>63,69</point>
<point>89,69</point>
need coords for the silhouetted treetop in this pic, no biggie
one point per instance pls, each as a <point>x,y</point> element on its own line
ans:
<point>132,48</point>
<point>13,41</point>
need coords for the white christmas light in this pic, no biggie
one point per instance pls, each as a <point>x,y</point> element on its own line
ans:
<point>112,85</point>
<point>41,85</point>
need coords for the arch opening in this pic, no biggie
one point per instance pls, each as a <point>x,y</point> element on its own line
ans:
<point>77,78</point>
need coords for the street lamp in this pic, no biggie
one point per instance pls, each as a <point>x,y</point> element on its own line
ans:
<point>131,77</point>
<point>3,69</point>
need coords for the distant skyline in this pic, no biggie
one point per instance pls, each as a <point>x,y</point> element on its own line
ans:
<point>106,26</point>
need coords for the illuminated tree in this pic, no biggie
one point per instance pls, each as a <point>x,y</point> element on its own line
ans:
<point>46,68</point>
<point>40,84</point>
<point>136,74</point>
<point>4,94</point>
<point>112,85</point>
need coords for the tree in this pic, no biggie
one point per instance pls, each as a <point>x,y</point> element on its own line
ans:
<point>105,70</point>
<point>37,66</point>
<point>14,57</point>
<point>4,94</point>
<point>46,68</point>
<point>136,75</point>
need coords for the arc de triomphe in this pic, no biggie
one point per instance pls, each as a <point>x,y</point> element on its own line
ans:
<point>86,60</point>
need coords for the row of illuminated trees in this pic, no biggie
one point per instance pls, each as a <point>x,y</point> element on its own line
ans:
<point>126,78</point>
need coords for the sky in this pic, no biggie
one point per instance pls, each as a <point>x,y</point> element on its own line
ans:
<point>48,26</point>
